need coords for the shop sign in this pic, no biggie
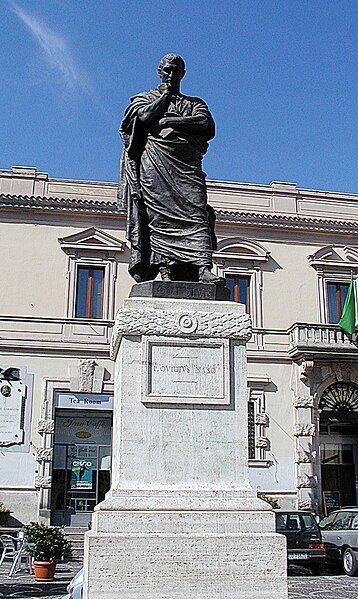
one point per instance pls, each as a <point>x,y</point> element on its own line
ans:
<point>83,429</point>
<point>331,501</point>
<point>12,404</point>
<point>81,473</point>
<point>84,401</point>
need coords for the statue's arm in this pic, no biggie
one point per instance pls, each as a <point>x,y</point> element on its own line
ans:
<point>149,113</point>
<point>200,119</point>
<point>198,122</point>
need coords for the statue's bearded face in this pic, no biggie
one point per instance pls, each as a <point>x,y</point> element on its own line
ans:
<point>171,73</point>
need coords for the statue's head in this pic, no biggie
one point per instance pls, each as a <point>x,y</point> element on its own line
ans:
<point>172,61</point>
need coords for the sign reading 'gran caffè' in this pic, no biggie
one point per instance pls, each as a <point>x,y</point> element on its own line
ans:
<point>12,404</point>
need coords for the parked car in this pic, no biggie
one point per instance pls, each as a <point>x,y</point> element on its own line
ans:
<point>304,539</point>
<point>75,587</point>
<point>340,537</point>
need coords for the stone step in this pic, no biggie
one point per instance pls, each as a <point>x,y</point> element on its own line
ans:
<point>76,536</point>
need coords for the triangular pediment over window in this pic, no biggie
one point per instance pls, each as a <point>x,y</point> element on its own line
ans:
<point>330,256</point>
<point>91,239</point>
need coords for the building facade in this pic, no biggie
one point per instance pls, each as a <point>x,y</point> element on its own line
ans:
<point>288,254</point>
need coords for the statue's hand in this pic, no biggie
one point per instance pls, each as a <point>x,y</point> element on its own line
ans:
<point>167,90</point>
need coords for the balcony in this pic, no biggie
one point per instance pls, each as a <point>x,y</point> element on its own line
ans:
<point>320,340</point>
<point>56,335</point>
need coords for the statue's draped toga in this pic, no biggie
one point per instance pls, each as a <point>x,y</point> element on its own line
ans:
<point>162,187</point>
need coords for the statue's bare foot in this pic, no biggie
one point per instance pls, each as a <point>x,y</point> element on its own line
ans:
<point>206,276</point>
<point>165,273</point>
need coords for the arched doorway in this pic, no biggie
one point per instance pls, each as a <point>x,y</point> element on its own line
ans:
<point>338,408</point>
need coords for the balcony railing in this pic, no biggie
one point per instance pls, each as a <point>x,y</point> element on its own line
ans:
<point>319,339</point>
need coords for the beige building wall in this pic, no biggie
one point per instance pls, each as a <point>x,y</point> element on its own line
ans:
<point>288,241</point>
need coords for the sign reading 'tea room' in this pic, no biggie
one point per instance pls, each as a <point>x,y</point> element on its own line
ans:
<point>84,401</point>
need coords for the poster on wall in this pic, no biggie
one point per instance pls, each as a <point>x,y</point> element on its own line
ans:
<point>81,473</point>
<point>12,406</point>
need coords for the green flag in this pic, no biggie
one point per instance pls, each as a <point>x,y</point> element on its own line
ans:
<point>348,320</point>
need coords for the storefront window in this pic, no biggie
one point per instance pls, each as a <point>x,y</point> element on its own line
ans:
<point>81,466</point>
<point>332,453</point>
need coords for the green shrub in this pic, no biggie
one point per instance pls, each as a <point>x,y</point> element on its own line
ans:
<point>4,509</point>
<point>46,543</point>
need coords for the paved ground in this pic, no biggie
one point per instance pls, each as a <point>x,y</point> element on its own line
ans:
<point>332,585</point>
<point>24,586</point>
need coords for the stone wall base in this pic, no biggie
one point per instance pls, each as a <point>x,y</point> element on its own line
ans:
<point>185,555</point>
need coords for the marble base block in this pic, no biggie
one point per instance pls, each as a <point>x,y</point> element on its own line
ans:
<point>180,290</point>
<point>181,520</point>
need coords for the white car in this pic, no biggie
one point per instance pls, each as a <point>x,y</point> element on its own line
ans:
<point>340,537</point>
<point>75,587</point>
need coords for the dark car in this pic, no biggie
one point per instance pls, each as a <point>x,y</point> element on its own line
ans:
<point>304,539</point>
<point>340,537</point>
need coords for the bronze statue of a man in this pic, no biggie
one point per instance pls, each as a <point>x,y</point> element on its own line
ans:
<point>170,225</point>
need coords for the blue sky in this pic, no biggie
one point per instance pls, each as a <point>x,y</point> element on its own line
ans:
<point>279,76</point>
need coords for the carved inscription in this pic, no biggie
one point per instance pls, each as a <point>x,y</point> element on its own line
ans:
<point>185,291</point>
<point>185,372</point>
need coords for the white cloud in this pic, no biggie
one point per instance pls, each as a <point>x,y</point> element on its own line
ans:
<point>54,48</point>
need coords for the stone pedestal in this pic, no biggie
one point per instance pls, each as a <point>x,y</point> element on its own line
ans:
<point>181,520</point>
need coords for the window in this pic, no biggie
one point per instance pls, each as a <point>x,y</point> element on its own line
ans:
<point>336,296</point>
<point>335,267</point>
<point>257,424</point>
<point>336,453</point>
<point>295,522</point>
<point>242,262</point>
<point>89,292</point>
<point>239,289</point>
<point>326,523</point>
<point>93,257</point>
<point>342,522</point>
<point>251,430</point>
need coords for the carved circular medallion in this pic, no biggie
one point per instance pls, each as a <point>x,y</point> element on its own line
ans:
<point>187,323</point>
<point>5,390</point>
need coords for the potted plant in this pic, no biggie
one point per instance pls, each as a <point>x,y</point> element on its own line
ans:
<point>4,513</point>
<point>46,545</point>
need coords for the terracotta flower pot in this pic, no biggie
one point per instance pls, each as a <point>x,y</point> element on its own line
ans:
<point>44,570</point>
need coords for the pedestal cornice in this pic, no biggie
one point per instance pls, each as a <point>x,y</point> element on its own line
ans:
<point>187,318</point>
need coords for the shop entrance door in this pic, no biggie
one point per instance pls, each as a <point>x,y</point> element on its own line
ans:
<point>339,465</point>
<point>81,470</point>
<point>338,430</point>
<point>340,478</point>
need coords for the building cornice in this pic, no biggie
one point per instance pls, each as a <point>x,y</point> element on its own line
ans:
<point>11,201</point>
<point>279,221</point>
